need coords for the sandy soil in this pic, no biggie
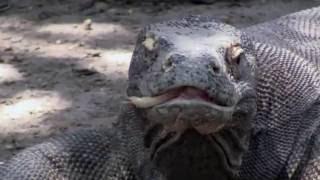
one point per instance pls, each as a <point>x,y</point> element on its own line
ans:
<point>60,72</point>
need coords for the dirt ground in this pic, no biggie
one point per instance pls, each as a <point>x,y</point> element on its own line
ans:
<point>63,64</point>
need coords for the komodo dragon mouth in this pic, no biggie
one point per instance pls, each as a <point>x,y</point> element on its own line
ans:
<point>190,107</point>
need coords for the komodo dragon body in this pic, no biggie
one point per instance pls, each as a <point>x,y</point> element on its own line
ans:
<point>206,101</point>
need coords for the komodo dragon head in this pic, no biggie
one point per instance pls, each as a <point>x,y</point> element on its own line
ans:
<point>194,81</point>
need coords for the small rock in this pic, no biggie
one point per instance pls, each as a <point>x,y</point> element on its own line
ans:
<point>99,82</point>
<point>59,41</point>
<point>85,56</point>
<point>17,59</point>
<point>16,39</point>
<point>7,58</point>
<point>87,24</point>
<point>9,83</point>
<point>8,49</point>
<point>9,146</point>
<point>80,44</point>
<point>44,84</point>
<point>94,54</point>
<point>19,97</point>
<point>84,72</point>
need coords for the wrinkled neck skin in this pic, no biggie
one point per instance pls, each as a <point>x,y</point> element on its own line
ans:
<point>194,156</point>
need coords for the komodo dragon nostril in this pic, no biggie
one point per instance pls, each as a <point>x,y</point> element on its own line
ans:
<point>168,63</point>
<point>171,61</point>
<point>215,68</point>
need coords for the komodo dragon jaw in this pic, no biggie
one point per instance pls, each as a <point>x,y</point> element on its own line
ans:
<point>194,80</point>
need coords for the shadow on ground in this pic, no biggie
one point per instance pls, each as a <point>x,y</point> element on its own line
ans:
<point>41,96</point>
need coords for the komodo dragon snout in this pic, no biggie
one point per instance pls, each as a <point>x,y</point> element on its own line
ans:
<point>193,74</point>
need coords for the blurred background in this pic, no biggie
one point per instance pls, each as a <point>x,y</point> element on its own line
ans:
<point>63,63</point>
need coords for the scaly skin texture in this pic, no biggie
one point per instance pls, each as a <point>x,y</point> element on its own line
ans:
<point>210,102</point>
<point>93,154</point>
<point>285,141</point>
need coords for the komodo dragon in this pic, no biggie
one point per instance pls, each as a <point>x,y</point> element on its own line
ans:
<point>206,101</point>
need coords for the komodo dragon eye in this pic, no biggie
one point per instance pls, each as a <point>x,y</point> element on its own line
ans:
<point>233,57</point>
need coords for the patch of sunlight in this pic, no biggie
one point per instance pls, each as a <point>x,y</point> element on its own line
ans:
<point>29,107</point>
<point>56,51</point>
<point>117,57</point>
<point>78,29</point>
<point>9,73</point>
<point>112,61</point>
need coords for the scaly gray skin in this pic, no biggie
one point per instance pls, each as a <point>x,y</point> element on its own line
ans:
<point>93,154</point>
<point>202,90</point>
<point>286,140</point>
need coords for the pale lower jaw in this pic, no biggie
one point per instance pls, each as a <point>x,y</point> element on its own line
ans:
<point>195,103</point>
<point>178,115</point>
<point>148,102</point>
